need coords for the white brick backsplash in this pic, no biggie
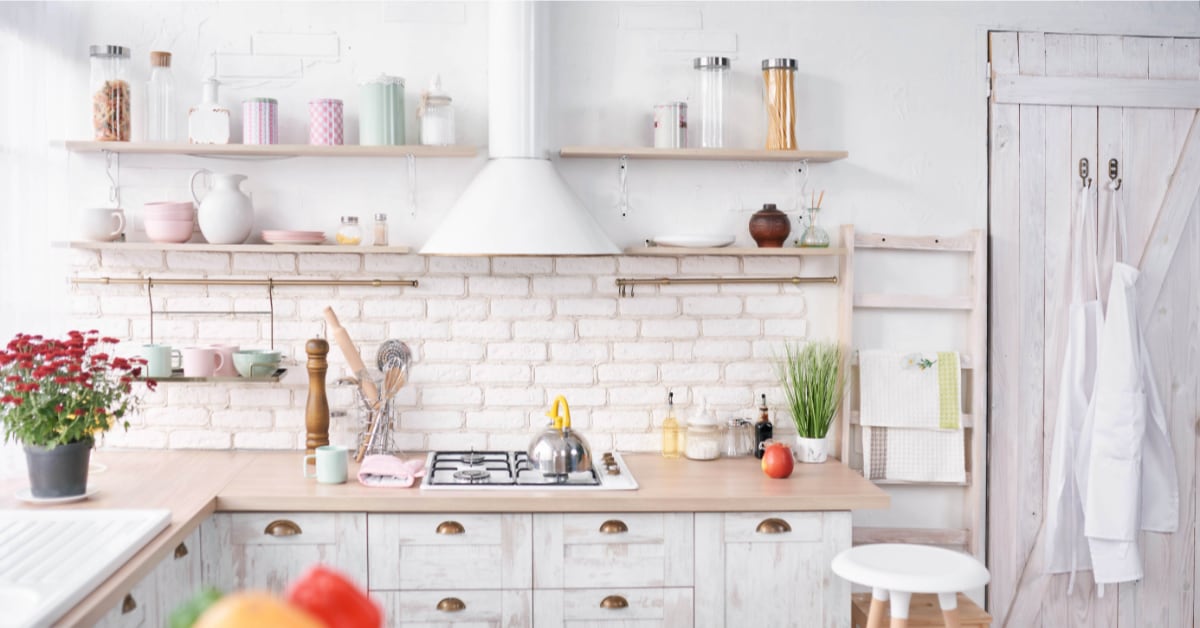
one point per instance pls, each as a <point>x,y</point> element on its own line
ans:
<point>636,442</point>
<point>481,330</point>
<point>649,306</point>
<point>522,265</point>
<point>637,395</point>
<point>659,17</point>
<point>389,308</point>
<point>255,395</point>
<point>199,304</point>
<point>457,396</point>
<point>751,372</point>
<point>791,328</point>
<point>521,308</point>
<point>284,308</point>
<point>505,420</point>
<point>438,286</point>
<point>749,288</point>
<point>457,440</point>
<point>732,328</point>
<point>123,305</point>
<point>224,331</point>
<point>607,328</point>
<point>584,397</point>
<point>792,305</point>
<point>496,397</point>
<point>312,309</point>
<point>394,263</point>
<point>769,349</point>
<point>302,331</point>
<point>674,373</point>
<point>290,419</point>
<point>708,264</point>
<point>585,265</point>
<point>431,420</point>
<point>264,440</point>
<point>589,352</point>
<point>648,265</point>
<point>236,419</point>
<point>439,373</point>
<point>620,420</point>
<point>586,307</point>
<point>685,289</point>
<point>498,286</point>
<point>511,442</point>
<point>634,373</point>
<point>712,306</point>
<point>330,262</point>
<point>561,374</point>
<point>199,439</point>
<point>450,351</point>
<point>295,44</point>
<point>197,395</point>
<point>728,396</point>
<point>520,351</point>
<point>552,286</point>
<point>190,416</point>
<point>85,305</point>
<point>459,266</point>
<point>138,260</point>
<point>264,262</point>
<point>456,309</point>
<point>189,260</point>
<point>427,330</point>
<point>136,438</point>
<point>787,266</point>
<point>242,66</point>
<point>723,350</point>
<point>543,330</point>
<point>680,328</point>
<point>500,374</point>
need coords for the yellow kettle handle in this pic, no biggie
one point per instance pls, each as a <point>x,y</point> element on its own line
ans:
<point>557,411</point>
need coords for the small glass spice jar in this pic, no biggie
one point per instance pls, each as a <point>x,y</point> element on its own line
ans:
<point>738,438</point>
<point>381,230</point>
<point>703,437</point>
<point>109,85</point>
<point>349,232</point>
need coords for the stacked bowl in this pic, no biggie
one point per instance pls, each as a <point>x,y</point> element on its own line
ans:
<point>169,221</point>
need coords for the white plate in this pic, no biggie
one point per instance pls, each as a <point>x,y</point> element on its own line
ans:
<point>294,240</point>
<point>26,495</point>
<point>693,241</point>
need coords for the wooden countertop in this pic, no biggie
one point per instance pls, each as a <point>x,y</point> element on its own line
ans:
<point>194,484</point>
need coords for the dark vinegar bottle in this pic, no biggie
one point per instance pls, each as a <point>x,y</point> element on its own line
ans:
<point>763,430</point>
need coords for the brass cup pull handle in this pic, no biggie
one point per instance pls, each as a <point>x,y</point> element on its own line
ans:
<point>450,527</point>
<point>181,550</point>
<point>614,602</point>
<point>451,605</point>
<point>613,526</point>
<point>282,527</point>
<point>774,525</point>
<point>128,605</point>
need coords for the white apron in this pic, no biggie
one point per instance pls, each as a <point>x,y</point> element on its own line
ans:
<point>1125,468</point>
<point>1066,546</point>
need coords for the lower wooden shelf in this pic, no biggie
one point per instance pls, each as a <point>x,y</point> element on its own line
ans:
<point>177,376</point>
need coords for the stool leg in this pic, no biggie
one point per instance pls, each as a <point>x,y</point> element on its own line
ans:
<point>879,598</point>
<point>949,604</point>
<point>900,600</point>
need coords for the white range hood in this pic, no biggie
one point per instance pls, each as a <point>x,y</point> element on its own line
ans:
<point>518,204</point>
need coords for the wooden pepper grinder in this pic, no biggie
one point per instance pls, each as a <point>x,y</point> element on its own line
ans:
<point>316,411</point>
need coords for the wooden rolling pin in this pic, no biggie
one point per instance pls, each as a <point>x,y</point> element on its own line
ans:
<point>350,352</point>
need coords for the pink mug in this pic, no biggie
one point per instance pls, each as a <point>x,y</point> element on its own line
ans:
<point>201,361</point>
<point>227,368</point>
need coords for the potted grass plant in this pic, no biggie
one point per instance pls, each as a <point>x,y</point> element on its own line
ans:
<point>812,383</point>
<point>55,396</point>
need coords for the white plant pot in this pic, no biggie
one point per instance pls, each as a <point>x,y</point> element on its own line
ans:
<point>812,450</point>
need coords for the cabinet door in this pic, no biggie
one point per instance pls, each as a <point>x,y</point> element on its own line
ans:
<point>771,569</point>
<point>589,550</point>
<point>627,608</point>
<point>450,552</point>
<point>264,550</point>
<point>493,609</point>
<point>136,609</point>
<point>177,577</point>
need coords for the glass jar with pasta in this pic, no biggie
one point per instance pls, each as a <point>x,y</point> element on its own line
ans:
<point>110,93</point>
<point>779,90</point>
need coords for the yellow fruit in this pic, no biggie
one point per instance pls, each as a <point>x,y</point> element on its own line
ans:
<point>255,610</point>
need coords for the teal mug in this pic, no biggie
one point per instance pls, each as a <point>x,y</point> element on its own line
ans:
<point>161,360</point>
<point>331,464</point>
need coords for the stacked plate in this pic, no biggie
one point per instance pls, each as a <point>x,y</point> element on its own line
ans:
<point>293,237</point>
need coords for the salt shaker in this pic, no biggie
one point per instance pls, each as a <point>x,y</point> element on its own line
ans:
<point>381,230</point>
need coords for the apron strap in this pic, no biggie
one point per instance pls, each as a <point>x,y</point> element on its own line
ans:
<point>1083,241</point>
<point>1117,224</point>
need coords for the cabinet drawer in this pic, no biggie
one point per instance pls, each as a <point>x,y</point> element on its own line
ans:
<point>450,552</point>
<point>773,527</point>
<point>615,549</point>
<point>499,609</point>
<point>667,607</point>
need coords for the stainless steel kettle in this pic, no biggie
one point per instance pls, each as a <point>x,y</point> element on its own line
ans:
<point>558,450</point>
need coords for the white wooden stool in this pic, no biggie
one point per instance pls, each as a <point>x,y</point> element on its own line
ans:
<point>896,571</point>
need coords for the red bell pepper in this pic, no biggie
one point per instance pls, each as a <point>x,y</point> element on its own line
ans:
<point>334,599</point>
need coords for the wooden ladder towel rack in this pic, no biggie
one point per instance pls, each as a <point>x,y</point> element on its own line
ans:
<point>973,362</point>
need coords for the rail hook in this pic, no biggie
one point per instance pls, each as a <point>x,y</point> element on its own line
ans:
<point>1083,173</point>
<point>1114,169</point>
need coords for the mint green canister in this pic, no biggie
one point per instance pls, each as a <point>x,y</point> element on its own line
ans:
<point>381,111</point>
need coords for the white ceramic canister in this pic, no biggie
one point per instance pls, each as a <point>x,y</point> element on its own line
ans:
<point>260,121</point>
<point>325,122</point>
<point>381,111</point>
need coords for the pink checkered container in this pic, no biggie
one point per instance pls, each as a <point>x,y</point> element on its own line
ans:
<point>260,121</point>
<point>325,121</point>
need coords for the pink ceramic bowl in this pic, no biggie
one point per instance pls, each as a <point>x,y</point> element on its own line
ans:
<point>170,210</point>
<point>175,231</point>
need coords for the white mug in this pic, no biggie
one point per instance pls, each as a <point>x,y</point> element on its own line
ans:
<point>201,361</point>
<point>101,224</point>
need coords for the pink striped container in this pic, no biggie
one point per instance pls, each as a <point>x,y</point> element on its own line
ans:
<point>325,121</point>
<point>260,121</point>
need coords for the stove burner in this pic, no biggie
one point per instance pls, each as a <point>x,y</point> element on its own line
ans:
<point>472,458</point>
<point>472,474</point>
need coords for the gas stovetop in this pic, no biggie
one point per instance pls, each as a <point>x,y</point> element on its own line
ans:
<point>510,470</point>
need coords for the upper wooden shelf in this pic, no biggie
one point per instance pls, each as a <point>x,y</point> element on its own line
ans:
<point>202,247</point>
<point>269,150</point>
<point>679,251</point>
<point>703,154</point>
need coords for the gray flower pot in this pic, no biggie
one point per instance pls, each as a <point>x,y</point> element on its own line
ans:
<point>58,472</point>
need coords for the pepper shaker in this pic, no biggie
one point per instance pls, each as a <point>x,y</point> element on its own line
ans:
<point>316,410</point>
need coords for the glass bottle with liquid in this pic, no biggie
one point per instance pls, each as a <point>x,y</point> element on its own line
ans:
<point>671,434</point>
<point>763,430</point>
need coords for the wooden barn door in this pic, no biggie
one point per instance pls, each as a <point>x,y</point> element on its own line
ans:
<point>1057,99</point>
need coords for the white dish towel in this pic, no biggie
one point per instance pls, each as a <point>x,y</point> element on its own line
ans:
<point>911,416</point>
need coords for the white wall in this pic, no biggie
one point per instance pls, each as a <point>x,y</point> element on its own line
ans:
<point>899,85</point>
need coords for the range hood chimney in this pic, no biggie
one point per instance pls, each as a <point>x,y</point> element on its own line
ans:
<point>518,204</point>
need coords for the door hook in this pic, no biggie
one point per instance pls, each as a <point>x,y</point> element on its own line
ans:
<point>1114,169</point>
<point>1083,173</point>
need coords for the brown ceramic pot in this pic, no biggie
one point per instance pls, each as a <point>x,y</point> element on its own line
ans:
<point>770,227</point>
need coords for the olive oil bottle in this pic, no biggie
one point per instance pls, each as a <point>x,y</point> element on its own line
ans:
<point>671,434</point>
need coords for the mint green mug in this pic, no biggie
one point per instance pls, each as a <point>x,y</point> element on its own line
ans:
<point>331,464</point>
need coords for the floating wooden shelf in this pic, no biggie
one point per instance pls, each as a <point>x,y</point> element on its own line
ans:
<point>178,377</point>
<point>679,251</point>
<point>200,247</point>
<point>702,154</point>
<point>268,150</point>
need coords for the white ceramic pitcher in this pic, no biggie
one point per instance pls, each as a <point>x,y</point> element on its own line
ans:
<point>226,215</point>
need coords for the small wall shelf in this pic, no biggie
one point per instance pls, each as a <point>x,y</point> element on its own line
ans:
<point>702,154</point>
<point>177,376</point>
<point>268,150</point>
<point>786,251</point>
<point>200,247</point>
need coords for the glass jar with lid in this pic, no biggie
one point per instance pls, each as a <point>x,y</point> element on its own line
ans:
<point>109,85</point>
<point>738,438</point>
<point>703,437</point>
<point>349,232</point>
<point>779,90</point>
<point>436,113</point>
<point>711,73</point>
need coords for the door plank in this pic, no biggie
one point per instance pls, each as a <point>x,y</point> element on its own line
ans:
<point>1095,92</point>
<point>1178,203</point>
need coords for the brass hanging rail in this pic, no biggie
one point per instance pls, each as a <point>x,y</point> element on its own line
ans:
<point>151,281</point>
<point>622,283</point>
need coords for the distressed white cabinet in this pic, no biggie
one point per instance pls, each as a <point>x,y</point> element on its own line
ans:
<point>589,550</point>
<point>613,606</point>
<point>476,608</point>
<point>771,569</point>
<point>268,550</point>
<point>449,552</point>
<point>151,601</point>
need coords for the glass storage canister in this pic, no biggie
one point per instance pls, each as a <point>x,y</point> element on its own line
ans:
<point>325,122</point>
<point>711,73</point>
<point>436,114</point>
<point>160,99</point>
<point>381,115</point>
<point>381,230</point>
<point>670,125</point>
<point>260,121</point>
<point>703,437</point>
<point>110,92</point>
<point>779,90</point>
<point>739,438</point>
<point>349,232</point>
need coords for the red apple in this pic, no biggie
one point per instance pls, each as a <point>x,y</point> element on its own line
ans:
<point>777,461</point>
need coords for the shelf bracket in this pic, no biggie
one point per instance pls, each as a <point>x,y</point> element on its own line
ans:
<point>623,182</point>
<point>114,181</point>
<point>412,184</point>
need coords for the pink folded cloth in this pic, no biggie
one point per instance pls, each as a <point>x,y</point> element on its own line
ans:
<point>389,471</point>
